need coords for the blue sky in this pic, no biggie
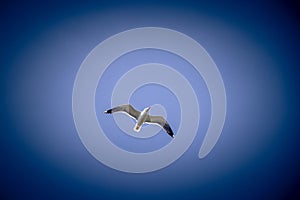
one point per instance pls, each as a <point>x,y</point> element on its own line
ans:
<point>254,46</point>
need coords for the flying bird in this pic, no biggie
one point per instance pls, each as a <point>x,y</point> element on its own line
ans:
<point>142,117</point>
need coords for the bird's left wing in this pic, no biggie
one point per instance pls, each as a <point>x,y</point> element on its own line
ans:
<point>127,108</point>
<point>161,122</point>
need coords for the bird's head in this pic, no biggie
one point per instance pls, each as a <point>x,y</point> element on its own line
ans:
<point>147,109</point>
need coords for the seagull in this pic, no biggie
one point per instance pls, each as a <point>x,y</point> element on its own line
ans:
<point>142,117</point>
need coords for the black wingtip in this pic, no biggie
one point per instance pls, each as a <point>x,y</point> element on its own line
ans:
<point>108,111</point>
<point>169,130</point>
<point>171,134</point>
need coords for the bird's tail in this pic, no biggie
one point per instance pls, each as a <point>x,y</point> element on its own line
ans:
<point>137,128</point>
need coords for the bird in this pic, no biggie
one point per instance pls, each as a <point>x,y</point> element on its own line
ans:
<point>142,117</point>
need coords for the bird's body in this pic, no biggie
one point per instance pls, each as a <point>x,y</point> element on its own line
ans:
<point>142,117</point>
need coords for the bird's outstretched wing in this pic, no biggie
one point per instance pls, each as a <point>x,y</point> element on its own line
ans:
<point>127,108</point>
<point>161,122</point>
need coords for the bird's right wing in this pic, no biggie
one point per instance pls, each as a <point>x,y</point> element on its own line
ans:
<point>127,108</point>
<point>159,120</point>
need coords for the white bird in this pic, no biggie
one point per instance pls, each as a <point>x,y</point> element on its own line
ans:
<point>142,117</point>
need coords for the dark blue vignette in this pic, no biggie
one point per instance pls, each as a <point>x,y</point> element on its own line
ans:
<point>255,48</point>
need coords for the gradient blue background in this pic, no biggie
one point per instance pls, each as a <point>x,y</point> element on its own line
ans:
<point>256,47</point>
